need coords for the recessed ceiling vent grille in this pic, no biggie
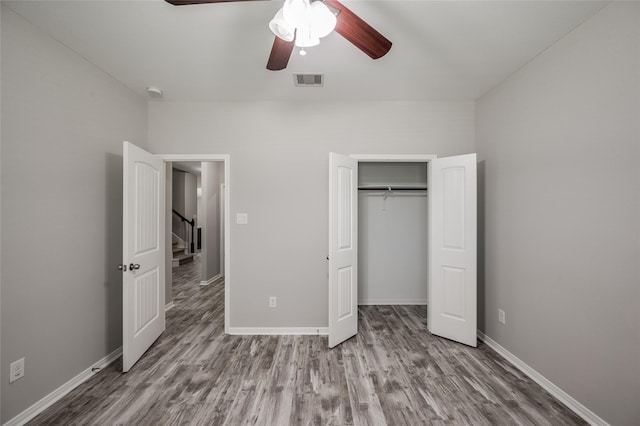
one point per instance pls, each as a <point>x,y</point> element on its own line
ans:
<point>308,80</point>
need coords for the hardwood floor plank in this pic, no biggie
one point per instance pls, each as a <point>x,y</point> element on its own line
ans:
<point>392,373</point>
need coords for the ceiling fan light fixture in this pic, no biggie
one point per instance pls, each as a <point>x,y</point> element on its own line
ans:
<point>303,21</point>
<point>305,39</point>
<point>322,20</point>
<point>281,28</point>
<point>296,12</point>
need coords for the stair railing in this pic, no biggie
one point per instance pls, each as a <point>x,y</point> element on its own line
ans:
<point>192,223</point>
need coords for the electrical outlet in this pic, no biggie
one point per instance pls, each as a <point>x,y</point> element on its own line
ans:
<point>273,302</point>
<point>501,316</point>
<point>16,370</point>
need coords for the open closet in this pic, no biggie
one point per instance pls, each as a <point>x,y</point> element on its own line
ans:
<point>395,247</point>
<point>392,233</point>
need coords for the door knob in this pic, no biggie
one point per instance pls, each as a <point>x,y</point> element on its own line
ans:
<point>122,267</point>
<point>133,266</point>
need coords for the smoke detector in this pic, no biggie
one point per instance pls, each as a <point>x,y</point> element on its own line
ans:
<point>154,92</point>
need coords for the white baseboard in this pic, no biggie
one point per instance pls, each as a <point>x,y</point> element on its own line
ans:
<point>392,302</point>
<point>210,280</point>
<point>273,331</point>
<point>575,406</point>
<point>168,306</point>
<point>57,394</point>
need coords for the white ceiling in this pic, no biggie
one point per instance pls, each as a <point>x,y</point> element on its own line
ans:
<point>442,50</point>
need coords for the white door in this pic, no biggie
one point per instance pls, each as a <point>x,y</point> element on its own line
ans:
<point>143,252</point>
<point>343,248</point>
<point>452,311</point>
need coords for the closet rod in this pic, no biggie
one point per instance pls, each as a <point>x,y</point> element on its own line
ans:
<point>392,188</point>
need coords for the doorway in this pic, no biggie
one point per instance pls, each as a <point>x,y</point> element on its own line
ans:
<point>215,174</point>
<point>146,246</point>
<point>392,233</point>
<point>197,198</point>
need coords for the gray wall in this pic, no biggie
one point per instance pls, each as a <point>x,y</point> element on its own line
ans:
<point>1,360</point>
<point>177,194</point>
<point>190,196</point>
<point>559,146</point>
<point>212,177</point>
<point>279,176</point>
<point>392,235</point>
<point>63,123</point>
<point>184,201</point>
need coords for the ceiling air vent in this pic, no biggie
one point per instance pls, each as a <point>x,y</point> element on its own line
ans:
<point>308,80</point>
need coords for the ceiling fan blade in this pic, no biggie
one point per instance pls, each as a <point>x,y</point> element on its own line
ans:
<point>280,54</point>
<point>186,2</point>
<point>358,32</point>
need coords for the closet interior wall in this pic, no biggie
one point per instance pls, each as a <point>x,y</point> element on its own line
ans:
<point>392,234</point>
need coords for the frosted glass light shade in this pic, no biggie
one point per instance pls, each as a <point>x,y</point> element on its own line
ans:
<point>304,38</point>
<point>303,21</point>
<point>281,28</point>
<point>296,12</point>
<point>322,20</point>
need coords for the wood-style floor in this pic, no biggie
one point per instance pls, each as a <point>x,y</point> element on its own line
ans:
<point>392,373</point>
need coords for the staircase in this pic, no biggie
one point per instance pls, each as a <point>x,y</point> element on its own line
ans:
<point>181,253</point>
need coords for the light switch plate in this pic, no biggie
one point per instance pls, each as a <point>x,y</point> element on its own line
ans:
<point>16,370</point>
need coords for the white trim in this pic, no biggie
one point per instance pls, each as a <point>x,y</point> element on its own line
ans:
<point>391,158</point>
<point>63,390</point>
<point>168,306</point>
<point>210,280</point>
<point>226,158</point>
<point>278,331</point>
<point>393,302</point>
<point>221,227</point>
<point>194,157</point>
<point>575,406</point>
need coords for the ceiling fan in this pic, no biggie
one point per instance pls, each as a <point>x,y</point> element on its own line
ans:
<point>291,26</point>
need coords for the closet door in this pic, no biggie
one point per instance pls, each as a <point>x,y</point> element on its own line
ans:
<point>452,311</point>
<point>343,248</point>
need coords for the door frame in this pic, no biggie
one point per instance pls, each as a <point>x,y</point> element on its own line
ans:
<point>226,160</point>
<point>221,224</point>
<point>393,158</point>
